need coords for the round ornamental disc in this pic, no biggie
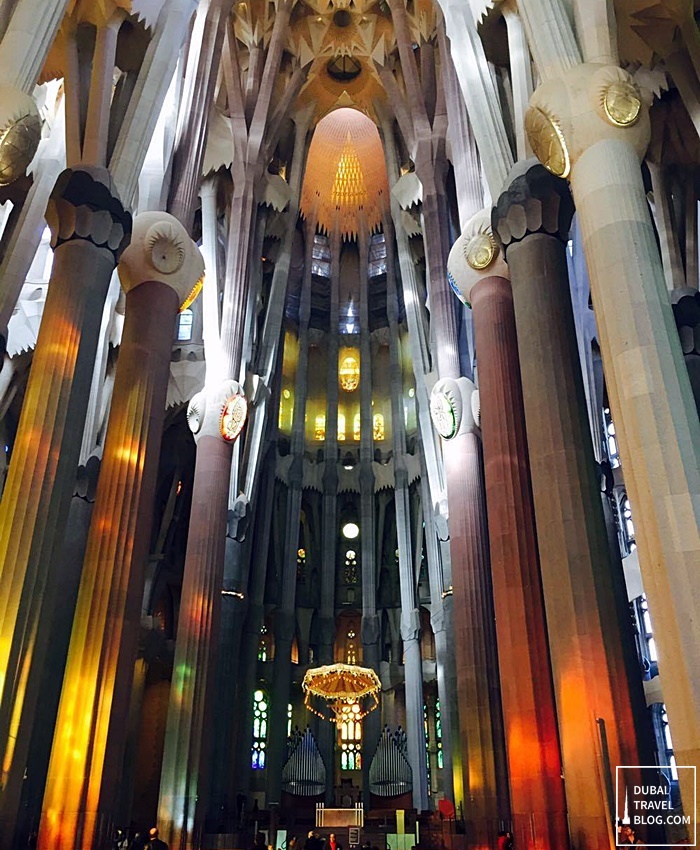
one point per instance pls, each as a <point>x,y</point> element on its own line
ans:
<point>233,417</point>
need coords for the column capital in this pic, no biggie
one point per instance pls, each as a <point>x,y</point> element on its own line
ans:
<point>587,104</point>
<point>20,133</point>
<point>218,411</point>
<point>161,250</point>
<point>475,255</point>
<point>84,205</point>
<point>536,201</point>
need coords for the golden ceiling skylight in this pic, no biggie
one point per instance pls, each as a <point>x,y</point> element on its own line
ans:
<point>345,186</point>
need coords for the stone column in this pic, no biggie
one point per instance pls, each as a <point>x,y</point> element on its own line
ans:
<point>27,41</point>
<point>20,134</point>
<point>410,615</point>
<point>200,607</point>
<point>534,758</point>
<point>603,133</point>
<point>89,230</point>
<point>474,629</point>
<point>370,626</point>
<point>285,615</point>
<point>239,772</point>
<point>532,219</point>
<point>158,272</point>
<point>327,732</point>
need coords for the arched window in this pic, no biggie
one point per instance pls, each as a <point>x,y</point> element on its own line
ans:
<point>350,737</point>
<point>438,734</point>
<point>350,572</point>
<point>260,710</point>
<point>351,647</point>
<point>378,429</point>
<point>357,427</point>
<point>301,564</point>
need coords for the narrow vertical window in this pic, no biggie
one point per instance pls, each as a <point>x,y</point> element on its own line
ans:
<point>350,735</point>
<point>260,708</point>
<point>184,326</point>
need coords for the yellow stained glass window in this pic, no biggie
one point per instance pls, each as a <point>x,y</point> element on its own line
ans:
<point>349,373</point>
<point>378,429</point>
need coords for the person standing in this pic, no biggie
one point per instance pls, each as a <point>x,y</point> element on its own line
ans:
<point>333,844</point>
<point>154,843</point>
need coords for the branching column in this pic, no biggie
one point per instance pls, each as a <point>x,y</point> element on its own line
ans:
<point>285,616</point>
<point>89,230</point>
<point>425,137</point>
<point>158,271</point>
<point>532,219</point>
<point>327,732</point>
<point>532,742</point>
<point>370,627</point>
<point>604,132</point>
<point>410,616</point>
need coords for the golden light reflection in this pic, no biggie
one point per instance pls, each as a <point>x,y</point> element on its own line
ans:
<point>341,427</point>
<point>357,427</point>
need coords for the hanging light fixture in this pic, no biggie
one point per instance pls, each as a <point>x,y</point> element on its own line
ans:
<point>336,689</point>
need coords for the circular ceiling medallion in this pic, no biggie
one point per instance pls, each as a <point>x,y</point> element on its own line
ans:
<point>233,417</point>
<point>547,141</point>
<point>342,18</point>
<point>622,103</point>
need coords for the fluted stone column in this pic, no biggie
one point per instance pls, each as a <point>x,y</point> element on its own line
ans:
<point>158,271</point>
<point>532,742</point>
<point>327,732</point>
<point>532,219</point>
<point>410,615</point>
<point>89,229</point>
<point>285,616</point>
<point>474,630</point>
<point>603,133</point>
<point>197,632</point>
<point>370,626</point>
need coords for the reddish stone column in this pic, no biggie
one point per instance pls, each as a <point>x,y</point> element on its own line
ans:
<point>532,743</point>
<point>474,630</point>
<point>158,272</point>
<point>180,805</point>
<point>594,687</point>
